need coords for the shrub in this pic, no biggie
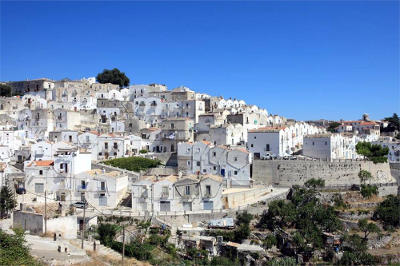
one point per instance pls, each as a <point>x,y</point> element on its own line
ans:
<point>269,241</point>
<point>13,249</point>
<point>143,151</point>
<point>368,190</point>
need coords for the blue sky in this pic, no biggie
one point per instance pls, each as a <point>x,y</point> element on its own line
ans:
<point>303,60</point>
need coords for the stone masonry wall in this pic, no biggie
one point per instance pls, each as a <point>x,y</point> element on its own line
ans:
<point>335,174</point>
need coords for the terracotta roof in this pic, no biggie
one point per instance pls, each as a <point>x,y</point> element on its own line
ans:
<point>368,123</point>
<point>242,150</point>
<point>152,128</point>
<point>42,163</point>
<point>206,142</point>
<point>95,132</point>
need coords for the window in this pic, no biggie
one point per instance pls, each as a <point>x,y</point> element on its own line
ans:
<point>204,170</point>
<point>214,167</point>
<point>172,126</point>
<point>188,163</point>
<point>252,145</point>
<point>106,145</point>
<point>100,153</point>
<point>198,163</point>
<point>267,148</point>
<point>208,190</point>
<point>103,185</point>
<point>313,143</point>
<point>214,154</point>
<point>235,172</point>
<point>187,190</point>
<point>115,145</point>
<point>235,159</point>
<point>326,143</point>
<point>39,187</point>
<point>165,191</point>
<point>115,154</point>
<point>255,137</point>
<point>40,172</point>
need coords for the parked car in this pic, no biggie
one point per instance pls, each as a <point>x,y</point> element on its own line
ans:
<point>268,156</point>
<point>80,204</point>
<point>20,191</point>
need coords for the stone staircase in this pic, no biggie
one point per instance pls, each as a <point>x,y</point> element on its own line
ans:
<point>101,250</point>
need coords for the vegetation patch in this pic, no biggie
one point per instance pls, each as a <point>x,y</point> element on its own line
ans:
<point>136,164</point>
<point>13,249</point>
<point>372,152</point>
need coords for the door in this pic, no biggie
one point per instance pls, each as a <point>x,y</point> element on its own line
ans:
<point>102,200</point>
<point>208,205</point>
<point>223,172</point>
<point>165,206</point>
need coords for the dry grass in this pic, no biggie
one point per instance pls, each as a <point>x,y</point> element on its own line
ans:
<point>105,260</point>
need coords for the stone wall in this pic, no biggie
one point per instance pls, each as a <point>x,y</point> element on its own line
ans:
<point>395,170</point>
<point>336,174</point>
<point>29,221</point>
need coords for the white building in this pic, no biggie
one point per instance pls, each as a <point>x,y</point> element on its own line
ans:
<point>394,148</point>
<point>100,188</point>
<point>330,146</point>
<point>279,141</point>
<point>201,157</point>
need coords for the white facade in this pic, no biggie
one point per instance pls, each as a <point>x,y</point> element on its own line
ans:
<point>233,164</point>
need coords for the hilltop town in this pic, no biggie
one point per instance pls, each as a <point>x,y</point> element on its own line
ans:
<point>97,170</point>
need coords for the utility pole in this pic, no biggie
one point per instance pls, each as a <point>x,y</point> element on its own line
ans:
<point>123,244</point>
<point>45,212</point>
<point>83,224</point>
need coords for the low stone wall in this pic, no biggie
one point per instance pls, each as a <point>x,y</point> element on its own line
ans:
<point>29,221</point>
<point>341,174</point>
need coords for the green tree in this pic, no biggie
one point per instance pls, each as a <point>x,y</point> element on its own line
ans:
<point>388,211</point>
<point>368,228</point>
<point>394,123</point>
<point>314,183</point>
<point>372,152</point>
<point>7,201</point>
<point>107,233</point>
<point>355,252</point>
<point>243,218</point>
<point>364,175</point>
<point>332,127</point>
<point>113,76</point>
<point>13,249</point>
<point>5,90</point>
